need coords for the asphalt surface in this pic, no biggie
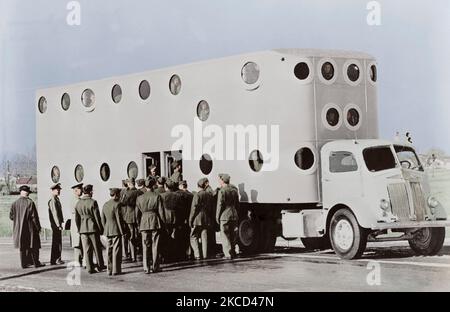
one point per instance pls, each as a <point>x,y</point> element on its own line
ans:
<point>384,267</point>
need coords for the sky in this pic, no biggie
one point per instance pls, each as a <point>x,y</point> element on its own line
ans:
<point>39,49</point>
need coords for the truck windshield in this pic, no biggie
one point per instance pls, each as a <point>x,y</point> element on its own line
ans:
<point>379,158</point>
<point>408,158</point>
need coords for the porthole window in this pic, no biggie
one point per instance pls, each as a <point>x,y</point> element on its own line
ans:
<point>79,173</point>
<point>250,73</point>
<point>256,161</point>
<point>301,71</point>
<point>175,84</point>
<point>304,158</point>
<point>65,101</point>
<point>373,73</point>
<point>332,117</point>
<point>353,72</point>
<point>105,172</point>
<point>206,164</point>
<point>55,174</point>
<point>203,110</point>
<point>42,105</point>
<point>116,94</point>
<point>327,71</point>
<point>353,117</point>
<point>132,170</point>
<point>144,89</point>
<point>88,99</point>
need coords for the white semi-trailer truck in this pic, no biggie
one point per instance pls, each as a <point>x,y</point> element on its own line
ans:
<point>323,176</point>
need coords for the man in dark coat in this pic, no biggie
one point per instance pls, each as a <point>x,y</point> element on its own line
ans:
<point>112,224</point>
<point>226,214</point>
<point>26,229</point>
<point>89,223</point>
<point>177,175</point>
<point>201,219</point>
<point>150,206</point>
<point>186,202</point>
<point>129,217</point>
<point>160,183</point>
<point>56,220</point>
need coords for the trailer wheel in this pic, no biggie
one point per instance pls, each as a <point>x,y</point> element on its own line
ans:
<point>316,243</point>
<point>248,233</point>
<point>347,238</point>
<point>428,241</point>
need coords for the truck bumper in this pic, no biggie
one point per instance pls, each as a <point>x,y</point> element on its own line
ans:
<point>411,225</point>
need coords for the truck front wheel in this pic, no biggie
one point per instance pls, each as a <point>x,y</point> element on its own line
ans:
<point>428,241</point>
<point>348,239</point>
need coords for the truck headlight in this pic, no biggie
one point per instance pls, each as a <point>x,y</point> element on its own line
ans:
<point>385,205</point>
<point>432,202</point>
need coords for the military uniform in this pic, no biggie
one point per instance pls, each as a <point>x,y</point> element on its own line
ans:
<point>56,221</point>
<point>150,206</point>
<point>200,220</point>
<point>74,235</point>
<point>173,220</point>
<point>227,217</point>
<point>186,202</point>
<point>112,223</point>
<point>89,223</point>
<point>130,218</point>
<point>176,177</point>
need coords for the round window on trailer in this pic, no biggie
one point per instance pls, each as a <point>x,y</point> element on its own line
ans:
<point>332,117</point>
<point>301,71</point>
<point>116,94</point>
<point>105,172</point>
<point>144,89</point>
<point>55,174</point>
<point>353,72</point>
<point>65,101</point>
<point>88,99</point>
<point>203,110</point>
<point>327,71</point>
<point>79,173</point>
<point>42,104</point>
<point>304,158</point>
<point>250,73</point>
<point>353,117</point>
<point>373,73</point>
<point>132,170</point>
<point>175,84</point>
<point>256,161</point>
<point>206,164</point>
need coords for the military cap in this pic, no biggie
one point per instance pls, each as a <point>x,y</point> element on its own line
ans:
<point>152,167</point>
<point>183,183</point>
<point>87,189</point>
<point>175,164</point>
<point>202,182</point>
<point>224,177</point>
<point>162,180</point>
<point>114,191</point>
<point>25,188</point>
<point>56,186</point>
<point>149,182</point>
<point>132,180</point>
<point>171,185</point>
<point>79,186</point>
<point>140,182</point>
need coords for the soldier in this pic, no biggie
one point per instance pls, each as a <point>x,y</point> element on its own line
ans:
<point>89,223</point>
<point>26,228</point>
<point>226,214</point>
<point>126,234</point>
<point>56,221</point>
<point>153,174</point>
<point>112,224</point>
<point>201,219</point>
<point>129,217</point>
<point>186,202</point>
<point>140,183</point>
<point>177,174</point>
<point>150,206</point>
<point>141,190</point>
<point>172,218</point>
<point>74,235</point>
<point>160,183</point>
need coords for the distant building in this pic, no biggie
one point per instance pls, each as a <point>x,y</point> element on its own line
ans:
<point>30,181</point>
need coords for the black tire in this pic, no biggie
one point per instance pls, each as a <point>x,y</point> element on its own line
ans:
<point>316,243</point>
<point>248,236</point>
<point>428,241</point>
<point>344,224</point>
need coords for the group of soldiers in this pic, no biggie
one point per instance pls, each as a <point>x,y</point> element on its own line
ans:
<point>155,217</point>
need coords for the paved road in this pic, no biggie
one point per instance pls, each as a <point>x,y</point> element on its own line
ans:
<point>385,267</point>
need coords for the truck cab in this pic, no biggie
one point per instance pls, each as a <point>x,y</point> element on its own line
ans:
<point>373,187</point>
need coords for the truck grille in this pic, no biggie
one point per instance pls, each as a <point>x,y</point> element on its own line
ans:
<point>399,201</point>
<point>418,201</point>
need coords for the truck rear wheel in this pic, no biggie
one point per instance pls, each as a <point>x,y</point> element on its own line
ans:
<point>428,241</point>
<point>248,236</point>
<point>316,243</point>
<point>347,238</point>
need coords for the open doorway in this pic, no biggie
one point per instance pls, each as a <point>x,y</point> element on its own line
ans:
<point>170,159</point>
<point>152,159</point>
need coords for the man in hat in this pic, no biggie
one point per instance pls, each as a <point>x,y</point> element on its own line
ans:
<point>177,174</point>
<point>150,206</point>
<point>152,174</point>
<point>112,224</point>
<point>201,219</point>
<point>186,202</point>
<point>140,183</point>
<point>226,214</point>
<point>89,223</point>
<point>74,235</point>
<point>26,228</point>
<point>173,220</point>
<point>160,185</point>
<point>129,217</point>
<point>56,221</point>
